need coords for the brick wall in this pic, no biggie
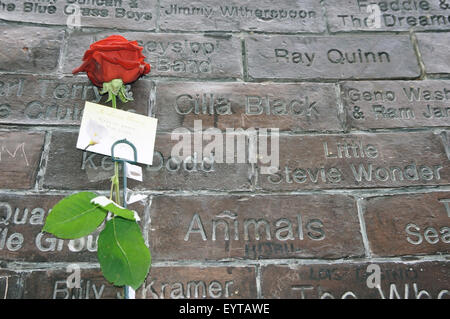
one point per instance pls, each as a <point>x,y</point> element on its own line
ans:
<point>363,114</point>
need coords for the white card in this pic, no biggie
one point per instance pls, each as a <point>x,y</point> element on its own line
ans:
<point>101,126</point>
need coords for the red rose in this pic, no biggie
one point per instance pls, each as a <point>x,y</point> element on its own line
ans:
<point>113,58</point>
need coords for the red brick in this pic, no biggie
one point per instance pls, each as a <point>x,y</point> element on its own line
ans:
<point>292,57</point>
<point>288,106</point>
<point>172,54</point>
<point>336,161</point>
<point>396,104</point>
<point>432,47</point>
<point>117,14</point>
<point>349,280</point>
<point>20,153</point>
<point>31,99</point>
<point>30,49</point>
<point>199,283</point>
<point>10,284</point>
<point>408,224</point>
<point>351,15</point>
<point>67,169</point>
<point>21,237</point>
<point>263,15</point>
<point>53,285</point>
<point>301,226</point>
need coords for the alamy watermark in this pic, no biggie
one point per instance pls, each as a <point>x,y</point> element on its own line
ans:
<point>74,279</point>
<point>73,20</point>
<point>233,146</point>
<point>374,19</point>
<point>374,279</point>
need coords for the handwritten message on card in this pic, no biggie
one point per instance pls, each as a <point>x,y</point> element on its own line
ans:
<point>102,126</point>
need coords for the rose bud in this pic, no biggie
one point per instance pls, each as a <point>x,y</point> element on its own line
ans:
<point>113,58</point>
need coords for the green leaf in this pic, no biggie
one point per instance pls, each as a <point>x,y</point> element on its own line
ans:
<point>109,205</point>
<point>124,258</point>
<point>74,216</point>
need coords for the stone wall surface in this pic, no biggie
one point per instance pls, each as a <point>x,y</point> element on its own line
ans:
<point>359,91</point>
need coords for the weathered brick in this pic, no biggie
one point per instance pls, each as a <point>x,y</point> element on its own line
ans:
<point>353,15</point>
<point>162,282</point>
<point>20,153</point>
<point>136,15</point>
<point>359,161</point>
<point>68,168</point>
<point>53,285</point>
<point>286,16</point>
<point>172,55</point>
<point>356,57</point>
<point>199,283</point>
<point>254,227</point>
<point>294,107</point>
<point>395,104</point>
<point>399,280</point>
<point>30,99</point>
<point>29,49</point>
<point>408,224</point>
<point>22,239</point>
<point>433,49</point>
<point>10,284</point>
<point>446,141</point>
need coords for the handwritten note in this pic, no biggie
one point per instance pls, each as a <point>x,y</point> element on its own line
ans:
<point>101,126</point>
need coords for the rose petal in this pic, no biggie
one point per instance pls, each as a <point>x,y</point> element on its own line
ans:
<point>114,58</point>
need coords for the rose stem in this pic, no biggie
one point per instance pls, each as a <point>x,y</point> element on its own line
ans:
<point>116,164</point>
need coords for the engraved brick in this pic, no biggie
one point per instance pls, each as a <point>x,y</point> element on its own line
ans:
<point>358,161</point>
<point>433,49</point>
<point>400,280</point>
<point>355,57</point>
<point>164,282</point>
<point>294,107</point>
<point>20,153</point>
<point>286,16</point>
<point>408,224</point>
<point>354,15</point>
<point>172,55</point>
<point>395,104</point>
<point>30,99</point>
<point>134,15</point>
<point>10,284</point>
<point>259,227</point>
<point>446,141</point>
<point>53,285</point>
<point>68,168</point>
<point>29,49</point>
<point>21,238</point>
